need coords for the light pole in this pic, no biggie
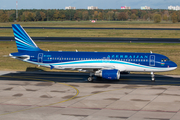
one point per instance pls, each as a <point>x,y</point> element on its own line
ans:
<point>16,10</point>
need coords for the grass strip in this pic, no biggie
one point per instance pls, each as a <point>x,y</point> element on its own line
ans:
<point>96,33</point>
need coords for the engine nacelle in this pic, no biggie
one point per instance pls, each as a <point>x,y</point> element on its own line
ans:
<point>109,74</point>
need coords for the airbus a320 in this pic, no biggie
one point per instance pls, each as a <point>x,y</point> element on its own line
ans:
<point>107,65</point>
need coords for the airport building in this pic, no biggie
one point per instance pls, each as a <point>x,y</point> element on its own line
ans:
<point>125,7</point>
<point>92,8</point>
<point>145,8</point>
<point>70,8</point>
<point>173,7</point>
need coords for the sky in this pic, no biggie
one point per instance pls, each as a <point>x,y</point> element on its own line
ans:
<point>83,4</point>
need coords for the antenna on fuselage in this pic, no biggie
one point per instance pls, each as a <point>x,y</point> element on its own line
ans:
<point>151,52</point>
<point>76,50</point>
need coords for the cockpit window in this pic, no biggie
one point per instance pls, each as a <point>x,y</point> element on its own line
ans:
<point>165,60</point>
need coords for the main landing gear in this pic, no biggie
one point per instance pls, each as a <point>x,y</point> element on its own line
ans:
<point>91,77</point>
<point>152,77</point>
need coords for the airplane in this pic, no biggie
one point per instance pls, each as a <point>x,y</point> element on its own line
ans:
<point>107,65</point>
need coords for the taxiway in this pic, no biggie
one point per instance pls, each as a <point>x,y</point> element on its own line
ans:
<point>67,96</point>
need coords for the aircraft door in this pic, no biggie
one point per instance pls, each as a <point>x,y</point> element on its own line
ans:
<point>40,57</point>
<point>152,60</point>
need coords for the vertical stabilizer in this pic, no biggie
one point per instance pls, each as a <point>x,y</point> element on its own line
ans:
<point>23,40</point>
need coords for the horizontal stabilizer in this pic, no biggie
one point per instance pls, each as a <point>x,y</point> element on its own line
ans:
<point>6,56</point>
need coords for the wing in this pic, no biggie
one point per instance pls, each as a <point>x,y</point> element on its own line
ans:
<point>87,68</point>
<point>82,68</point>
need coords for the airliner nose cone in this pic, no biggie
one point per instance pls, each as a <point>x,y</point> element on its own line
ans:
<point>173,64</point>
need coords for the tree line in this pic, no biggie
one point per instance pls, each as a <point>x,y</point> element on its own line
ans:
<point>83,14</point>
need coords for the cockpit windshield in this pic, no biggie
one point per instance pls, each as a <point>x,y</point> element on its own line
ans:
<point>165,60</point>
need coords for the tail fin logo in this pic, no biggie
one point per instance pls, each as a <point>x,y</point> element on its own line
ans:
<point>23,40</point>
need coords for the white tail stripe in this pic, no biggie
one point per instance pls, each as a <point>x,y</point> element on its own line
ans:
<point>23,42</point>
<point>29,37</point>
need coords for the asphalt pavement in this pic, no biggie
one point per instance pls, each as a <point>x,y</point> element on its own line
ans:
<point>81,77</point>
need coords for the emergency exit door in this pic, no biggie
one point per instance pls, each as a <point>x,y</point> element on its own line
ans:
<point>152,60</point>
<point>40,57</point>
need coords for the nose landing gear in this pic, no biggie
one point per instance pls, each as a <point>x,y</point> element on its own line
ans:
<point>152,77</point>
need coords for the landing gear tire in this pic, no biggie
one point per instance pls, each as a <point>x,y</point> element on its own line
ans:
<point>153,79</point>
<point>90,79</point>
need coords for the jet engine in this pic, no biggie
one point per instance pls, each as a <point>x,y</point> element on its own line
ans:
<point>108,74</point>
